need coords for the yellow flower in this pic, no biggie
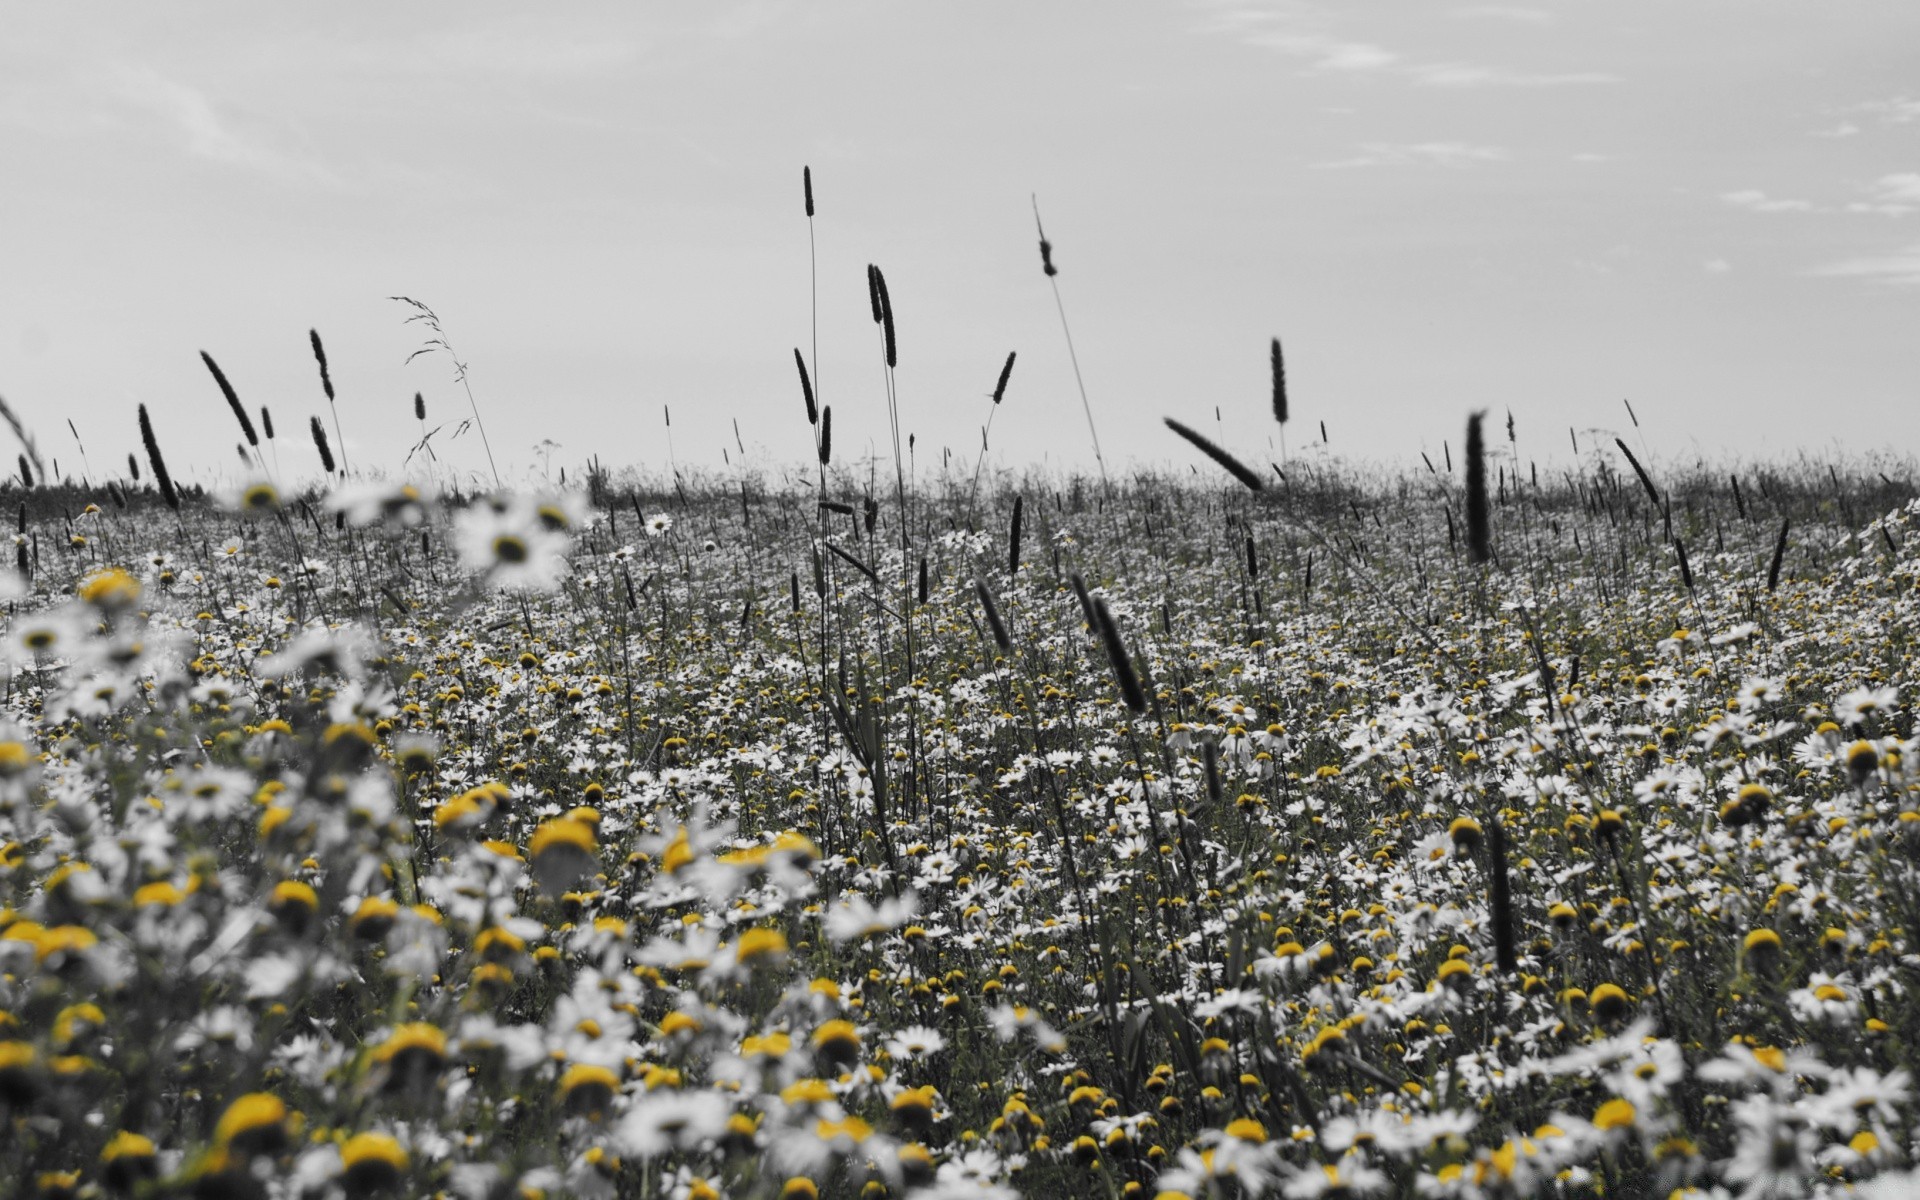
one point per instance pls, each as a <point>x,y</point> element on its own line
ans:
<point>586,1089</point>
<point>1615,1114</point>
<point>256,1123</point>
<point>112,588</point>
<point>837,1041</point>
<point>372,1162</point>
<point>761,945</point>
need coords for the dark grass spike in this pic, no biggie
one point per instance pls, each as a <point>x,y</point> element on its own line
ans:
<point>1453,534</point>
<point>233,401</point>
<point>1210,763</point>
<point>161,478</point>
<point>419,406</point>
<point>1124,675</point>
<point>1001,637</point>
<point>1253,562</point>
<point>1646,480</point>
<point>320,356</point>
<point>1000,388</point>
<point>1686,568</point>
<point>1234,466</point>
<point>320,444</point>
<point>266,423</point>
<point>793,591</point>
<point>133,466</point>
<point>1279,384</point>
<point>855,563</point>
<point>1086,601</point>
<point>1500,899</point>
<point>924,589</point>
<point>873,292</point>
<point>806,184</point>
<point>26,473</point>
<point>826,434</point>
<point>1779,554</point>
<point>886,317</point>
<point>1046,247</point>
<point>1739,500</point>
<point>1479,528</point>
<point>1013,536</point>
<point>806,387</point>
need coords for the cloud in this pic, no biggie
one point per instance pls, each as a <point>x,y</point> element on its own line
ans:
<point>1891,196</point>
<point>1325,53</point>
<point>1899,269</point>
<point>1754,200</point>
<point>212,135</point>
<point>1505,12</point>
<point>1901,110</point>
<point>507,50</point>
<point>1285,30</point>
<point>1465,75</point>
<point>1434,154</point>
<point>1716,266</point>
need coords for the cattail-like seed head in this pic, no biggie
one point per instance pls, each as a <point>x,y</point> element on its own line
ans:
<point>806,184</point>
<point>793,587</point>
<point>161,479</point>
<point>1779,555</point>
<point>1253,562</point>
<point>1279,384</point>
<point>1479,528</point>
<point>886,315</point>
<point>320,444</point>
<point>1124,675</point>
<point>320,356</point>
<point>1006,372</point>
<point>133,466</point>
<point>1013,536</point>
<point>1234,466</point>
<point>233,401</point>
<point>1001,637</point>
<point>26,473</point>
<point>873,291</point>
<point>1686,569</point>
<point>1210,765</point>
<point>806,387</point>
<point>1646,480</point>
<point>1086,601</point>
<point>419,406</point>
<point>826,434</point>
<point>1500,899</point>
<point>924,588</point>
<point>266,423</point>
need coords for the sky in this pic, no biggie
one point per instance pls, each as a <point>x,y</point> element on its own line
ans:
<point>1710,210</point>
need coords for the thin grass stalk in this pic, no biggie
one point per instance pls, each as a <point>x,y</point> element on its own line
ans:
<point>1052,273</point>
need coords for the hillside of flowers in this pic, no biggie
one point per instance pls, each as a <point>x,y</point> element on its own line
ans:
<point>1039,837</point>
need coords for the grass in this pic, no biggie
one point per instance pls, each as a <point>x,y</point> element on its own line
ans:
<point>609,857</point>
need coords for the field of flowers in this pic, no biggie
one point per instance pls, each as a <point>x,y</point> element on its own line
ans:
<point>1052,839</point>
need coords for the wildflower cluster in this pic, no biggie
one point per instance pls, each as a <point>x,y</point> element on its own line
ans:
<point>524,846</point>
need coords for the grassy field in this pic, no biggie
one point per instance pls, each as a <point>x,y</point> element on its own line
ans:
<point>1038,836</point>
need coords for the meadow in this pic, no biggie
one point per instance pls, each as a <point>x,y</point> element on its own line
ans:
<point>960,837</point>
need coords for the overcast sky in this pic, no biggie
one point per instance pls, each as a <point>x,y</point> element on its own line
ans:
<point>1709,208</point>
